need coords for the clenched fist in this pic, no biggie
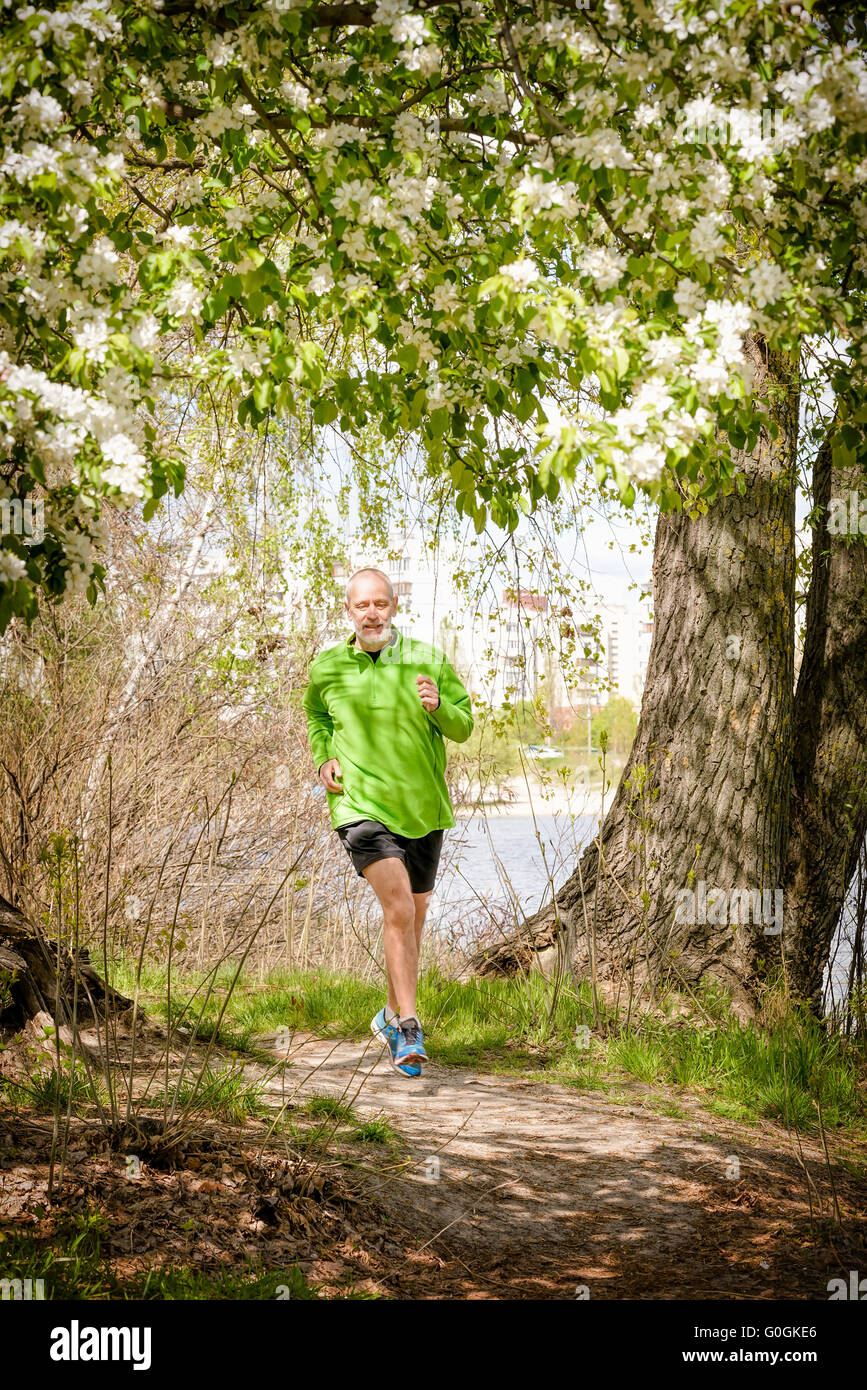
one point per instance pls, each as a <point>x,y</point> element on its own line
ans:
<point>328,774</point>
<point>427,689</point>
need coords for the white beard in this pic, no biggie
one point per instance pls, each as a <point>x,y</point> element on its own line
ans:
<point>371,642</point>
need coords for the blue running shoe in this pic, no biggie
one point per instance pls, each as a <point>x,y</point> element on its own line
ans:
<point>388,1035</point>
<point>410,1042</point>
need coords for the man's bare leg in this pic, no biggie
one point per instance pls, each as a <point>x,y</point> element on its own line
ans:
<point>403,914</point>
<point>422,902</point>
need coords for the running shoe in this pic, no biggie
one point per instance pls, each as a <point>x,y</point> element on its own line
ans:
<point>387,1034</point>
<point>410,1042</point>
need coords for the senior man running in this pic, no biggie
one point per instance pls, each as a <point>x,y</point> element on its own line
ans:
<point>378,707</point>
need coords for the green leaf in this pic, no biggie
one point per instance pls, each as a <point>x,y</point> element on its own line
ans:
<point>843,456</point>
<point>263,393</point>
<point>407,356</point>
<point>324,411</point>
<point>621,361</point>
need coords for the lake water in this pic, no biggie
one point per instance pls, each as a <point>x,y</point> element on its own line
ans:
<point>507,860</point>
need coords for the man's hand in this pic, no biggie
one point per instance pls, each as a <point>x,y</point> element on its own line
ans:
<point>328,774</point>
<point>427,689</point>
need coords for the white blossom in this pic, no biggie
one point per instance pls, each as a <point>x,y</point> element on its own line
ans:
<point>710,372</point>
<point>12,567</point>
<point>689,297</point>
<point>358,191</point>
<point>705,237</point>
<point>128,466</point>
<point>731,321</point>
<point>216,121</point>
<point>646,460</point>
<point>218,52</point>
<point>522,273</point>
<point>606,267</point>
<point>664,351</point>
<point>322,279</point>
<point>97,266</point>
<point>38,111</point>
<point>768,283</point>
<point>145,333</point>
<point>237,217</point>
<point>184,299</point>
<point>91,336</point>
<point>80,90</point>
<point>10,231</point>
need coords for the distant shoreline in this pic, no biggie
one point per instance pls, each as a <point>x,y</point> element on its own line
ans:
<point>554,799</point>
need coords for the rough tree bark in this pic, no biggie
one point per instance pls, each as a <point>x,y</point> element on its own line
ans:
<point>705,793</point>
<point>829,758</point>
<point>32,981</point>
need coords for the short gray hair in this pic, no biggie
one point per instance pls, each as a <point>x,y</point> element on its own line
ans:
<point>369,569</point>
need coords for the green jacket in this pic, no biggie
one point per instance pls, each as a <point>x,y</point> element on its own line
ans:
<point>367,714</point>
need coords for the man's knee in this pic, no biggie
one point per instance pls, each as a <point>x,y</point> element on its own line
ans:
<point>400,912</point>
<point>390,882</point>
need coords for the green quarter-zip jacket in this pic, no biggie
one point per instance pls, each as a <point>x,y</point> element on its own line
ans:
<point>368,715</point>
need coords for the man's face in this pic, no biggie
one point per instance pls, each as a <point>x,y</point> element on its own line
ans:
<point>371,611</point>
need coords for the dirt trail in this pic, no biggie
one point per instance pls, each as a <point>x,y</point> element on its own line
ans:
<point>513,1188</point>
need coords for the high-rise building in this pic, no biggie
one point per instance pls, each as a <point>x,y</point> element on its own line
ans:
<point>628,635</point>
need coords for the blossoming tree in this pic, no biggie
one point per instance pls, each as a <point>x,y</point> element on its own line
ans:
<point>444,216</point>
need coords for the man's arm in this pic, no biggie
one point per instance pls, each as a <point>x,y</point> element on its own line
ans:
<point>320,726</point>
<point>453,715</point>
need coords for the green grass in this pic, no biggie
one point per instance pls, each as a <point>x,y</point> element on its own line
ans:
<point>740,1072</point>
<point>340,1122</point>
<point>329,1108</point>
<point>224,1093</point>
<point>52,1089</point>
<point>73,1265</point>
<point>782,1074</point>
<point>376,1131</point>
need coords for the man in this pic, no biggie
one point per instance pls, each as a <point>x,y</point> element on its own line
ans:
<point>378,707</point>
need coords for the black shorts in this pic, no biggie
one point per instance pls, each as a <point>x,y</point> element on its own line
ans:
<point>368,840</point>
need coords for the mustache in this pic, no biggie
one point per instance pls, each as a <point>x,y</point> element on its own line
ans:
<point>381,633</point>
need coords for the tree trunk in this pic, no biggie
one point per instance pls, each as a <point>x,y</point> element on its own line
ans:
<point>32,981</point>
<point>829,761</point>
<point>704,796</point>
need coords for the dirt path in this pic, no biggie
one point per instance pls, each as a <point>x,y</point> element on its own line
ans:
<point>513,1188</point>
